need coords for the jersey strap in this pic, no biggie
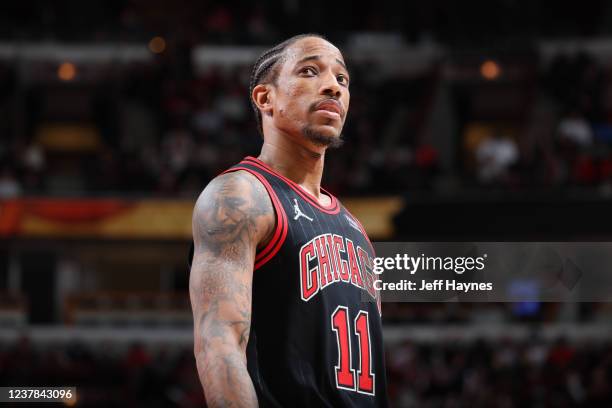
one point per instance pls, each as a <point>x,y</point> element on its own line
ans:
<point>332,209</point>
<point>280,232</point>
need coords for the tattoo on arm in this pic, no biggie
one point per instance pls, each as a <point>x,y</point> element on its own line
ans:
<point>232,216</point>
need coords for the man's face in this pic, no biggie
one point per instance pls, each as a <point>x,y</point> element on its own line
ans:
<point>312,92</point>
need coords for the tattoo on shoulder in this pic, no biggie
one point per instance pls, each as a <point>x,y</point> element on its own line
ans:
<point>234,211</point>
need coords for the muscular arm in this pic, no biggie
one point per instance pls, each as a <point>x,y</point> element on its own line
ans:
<point>231,217</point>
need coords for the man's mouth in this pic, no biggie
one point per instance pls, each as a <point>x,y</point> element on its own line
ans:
<point>330,108</point>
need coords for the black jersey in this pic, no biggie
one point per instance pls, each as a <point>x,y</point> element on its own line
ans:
<point>316,336</point>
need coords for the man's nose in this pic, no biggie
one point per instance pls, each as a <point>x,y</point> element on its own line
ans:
<point>331,86</point>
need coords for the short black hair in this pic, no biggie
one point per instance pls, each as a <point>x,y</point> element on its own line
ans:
<point>265,69</point>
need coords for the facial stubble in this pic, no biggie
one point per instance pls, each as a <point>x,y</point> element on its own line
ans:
<point>319,139</point>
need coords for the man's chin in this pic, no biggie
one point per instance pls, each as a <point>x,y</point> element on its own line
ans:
<point>323,139</point>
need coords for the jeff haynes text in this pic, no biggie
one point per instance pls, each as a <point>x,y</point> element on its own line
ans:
<point>434,285</point>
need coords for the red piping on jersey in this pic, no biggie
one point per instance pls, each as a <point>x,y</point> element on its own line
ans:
<point>280,233</point>
<point>333,207</point>
<point>363,231</point>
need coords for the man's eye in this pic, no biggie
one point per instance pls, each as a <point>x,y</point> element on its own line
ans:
<point>309,70</point>
<point>342,79</point>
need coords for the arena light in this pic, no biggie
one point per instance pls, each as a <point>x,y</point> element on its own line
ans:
<point>157,45</point>
<point>66,71</point>
<point>70,402</point>
<point>490,70</point>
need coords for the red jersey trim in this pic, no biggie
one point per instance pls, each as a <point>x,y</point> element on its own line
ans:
<point>332,208</point>
<point>363,231</point>
<point>282,226</point>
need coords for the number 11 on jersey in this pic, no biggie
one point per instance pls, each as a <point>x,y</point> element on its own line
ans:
<point>345,373</point>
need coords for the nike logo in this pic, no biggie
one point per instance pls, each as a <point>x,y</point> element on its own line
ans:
<point>352,223</point>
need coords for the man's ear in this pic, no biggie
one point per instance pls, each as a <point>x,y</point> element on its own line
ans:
<point>262,96</point>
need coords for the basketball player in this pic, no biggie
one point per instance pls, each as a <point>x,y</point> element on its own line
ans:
<point>285,313</point>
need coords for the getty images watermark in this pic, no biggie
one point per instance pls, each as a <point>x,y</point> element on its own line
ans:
<point>492,271</point>
<point>411,265</point>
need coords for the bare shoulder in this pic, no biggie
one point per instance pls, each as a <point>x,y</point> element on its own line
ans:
<point>233,210</point>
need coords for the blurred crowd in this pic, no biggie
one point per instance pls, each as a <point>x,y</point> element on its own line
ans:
<point>507,373</point>
<point>161,129</point>
<point>164,127</point>
<point>235,21</point>
<point>169,134</point>
<point>106,375</point>
<point>564,137</point>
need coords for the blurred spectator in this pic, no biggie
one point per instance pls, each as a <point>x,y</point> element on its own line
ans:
<point>206,119</point>
<point>34,167</point>
<point>231,104</point>
<point>138,126</point>
<point>576,130</point>
<point>219,21</point>
<point>177,149</point>
<point>9,185</point>
<point>495,155</point>
<point>33,158</point>
<point>258,27</point>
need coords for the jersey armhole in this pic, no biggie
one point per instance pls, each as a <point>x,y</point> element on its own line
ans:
<point>363,231</point>
<point>280,231</point>
<point>365,234</point>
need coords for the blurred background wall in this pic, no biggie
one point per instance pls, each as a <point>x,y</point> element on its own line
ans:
<point>483,120</point>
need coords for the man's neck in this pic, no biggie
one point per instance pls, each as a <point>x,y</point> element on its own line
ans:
<point>296,162</point>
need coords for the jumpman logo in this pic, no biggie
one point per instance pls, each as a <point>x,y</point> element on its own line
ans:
<point>298,212</point>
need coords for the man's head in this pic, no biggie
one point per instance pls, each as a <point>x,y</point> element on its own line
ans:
<point>300,87</point>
